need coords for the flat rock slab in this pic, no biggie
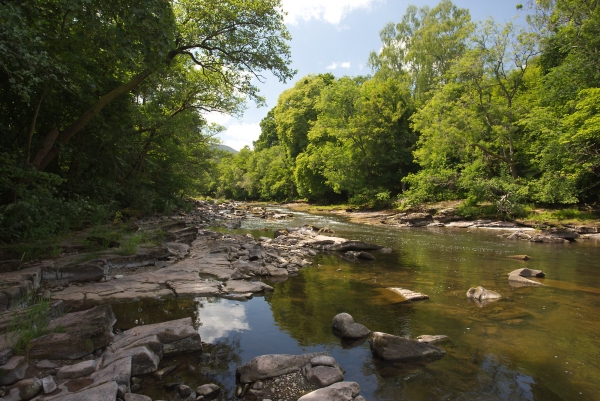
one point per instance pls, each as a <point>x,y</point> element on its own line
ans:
<point>103,392</point>
<point>267,366</point>
<point>16,285</point>
<point>342,391</point>
<point>408,294</point>
<point>78,370</point>
<point>166,332</point>
<point>400,349</point>
<point>75,335</point>
<point>242,286</point>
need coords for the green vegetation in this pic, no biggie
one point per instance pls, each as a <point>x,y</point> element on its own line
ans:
<point>502,117</point>
<point>26,324</point>
<point>101,103</point>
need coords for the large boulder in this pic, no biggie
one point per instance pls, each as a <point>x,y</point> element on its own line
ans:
<point>75,335</point>
<point>267,366</point>
<point>342,391</point>
<point>400,349</point>
<point>343,325</point>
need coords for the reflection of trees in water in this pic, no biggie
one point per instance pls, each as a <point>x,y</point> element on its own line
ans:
<point>484,378</point>
<point>219,361</point>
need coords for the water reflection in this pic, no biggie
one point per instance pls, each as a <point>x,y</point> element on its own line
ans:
<point>218,318</point>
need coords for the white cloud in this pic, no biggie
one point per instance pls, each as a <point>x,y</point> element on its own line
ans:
<point>218,319</point>
<point>239,135</point>
<point>334,65</point>
<point>218,118</point>
<point>331,11</point>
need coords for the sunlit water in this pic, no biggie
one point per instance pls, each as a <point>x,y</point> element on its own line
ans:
<point>536,343</point>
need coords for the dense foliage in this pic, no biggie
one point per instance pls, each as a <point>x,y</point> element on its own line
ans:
<point>454,110</point>
<point>101,102</point>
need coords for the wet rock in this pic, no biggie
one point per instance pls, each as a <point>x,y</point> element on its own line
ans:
<point>78,370</point>
<point>75,335</point>
<point>208,391</point>
<point>24,390</point>
<point>398,349</point>
<point>353,246</point>
<point>267,366</point>
<point>13,370</point>
<point>161,373</point>
<point>481,294</point>
<point>360,255</point>
<point>408,294</point>
<point>144,358</point>
<point>184,391</point>
<point>343,324</point>
<point>342,391</point>
<point>386,250</point>
<point>48,385</point>
<point>431,339</point>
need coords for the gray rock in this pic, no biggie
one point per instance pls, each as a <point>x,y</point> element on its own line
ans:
<point>136,397</point>
<point>121,391</point>
<point>24,390</point>
<point>416,219</point>
<point>5,355</point>
<point>46,364</point>
<point>481,294</point>
<point>344,325</point>
<point>431,339</point>
<point>267,366</point>
<point>104,392</point>
<point>48,384</point>
<point>13,370</point>
<point>354,246</point>
<point>342,391</point>
<point>393,348</point>
<point>208,391</point>
<point>161,373</point>
<point>75,335</point>
<point>323,376</point>
<point>78,370</point>
<point>386,250</point>
<point>408,294</point>
<point>324,360</point>
<point>519,277</point>
<point>184,391</point>
<point>143,359</point>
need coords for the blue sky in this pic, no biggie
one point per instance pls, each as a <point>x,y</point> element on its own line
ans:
<point>337,36</point>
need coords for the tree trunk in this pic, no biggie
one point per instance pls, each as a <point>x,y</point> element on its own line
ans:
<point>48,151</point>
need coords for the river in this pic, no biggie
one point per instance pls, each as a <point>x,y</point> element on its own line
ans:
<point>536,343</point>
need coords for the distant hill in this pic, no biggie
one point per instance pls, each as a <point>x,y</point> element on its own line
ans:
<point>226,148</point>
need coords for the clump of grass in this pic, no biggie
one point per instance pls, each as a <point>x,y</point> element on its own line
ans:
<point>23,326</point>
<point>130,245</point>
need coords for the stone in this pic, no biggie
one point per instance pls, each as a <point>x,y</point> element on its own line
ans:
<point>528,273</point>
<point>165,332</point>
<point>161,373</point>
<point>48,384</point>
<point>78,370</point>
<point>13,370</point>
<point>90,271</point>
<point>178,249</point>
<point>400,349</point>
<point>519,257</point>
<point>386,250</point>
<point>5,355</point>
<point>267,366</point>
<point>208,391</point>
<point>324,360</point>
<point>354,246</point>
<point>46,364</point>
<point>408,294</point>
<point>75,335</point>
<point>416,219</point>
<point>184,391</point>
<point>323,376</point>
<point>136,397</point>
<point>431,339</point>
<point>104,392</point>
<point>24,390</point>
<point>187,345</point>
<point>344,325</point>
<point>481,294</point>
<point>143,359</point>
<point>342,391</point>
<point>519,277</point>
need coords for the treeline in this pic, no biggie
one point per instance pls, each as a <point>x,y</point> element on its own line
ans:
<point>454,110</point>
<point>102,102</point>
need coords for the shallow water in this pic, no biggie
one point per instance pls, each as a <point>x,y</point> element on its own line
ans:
<point>536,343</point>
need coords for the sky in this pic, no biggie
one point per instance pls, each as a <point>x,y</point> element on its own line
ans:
<point>337,36</point>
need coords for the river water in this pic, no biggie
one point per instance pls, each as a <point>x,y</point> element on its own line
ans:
<point>536,343</point>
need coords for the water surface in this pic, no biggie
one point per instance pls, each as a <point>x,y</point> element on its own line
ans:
<point>536,343</point>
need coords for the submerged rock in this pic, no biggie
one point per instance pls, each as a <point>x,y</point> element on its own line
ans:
<point>428,339</point>
<point>399,349</point>
<point>342,391</point>
<point>519,277</point>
